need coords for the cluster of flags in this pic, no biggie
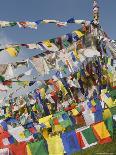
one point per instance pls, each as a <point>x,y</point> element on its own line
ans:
<point>76,79</point>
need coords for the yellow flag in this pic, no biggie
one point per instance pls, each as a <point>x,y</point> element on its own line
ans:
<point>79,33</point>
<point>47,43</point>
<point>12,51</point>
<point>108,100</point>
<point>23,83</point>
<point>45,133</point>
<point>7,115</point>
<point>21,135</point>
<point>78,75</point>
<point>34,108</point>
<point>42,93</point>
<point>107,114</point>
<point>62,88</point>
<point>58,128</point>
<point>104,91</point>
<point>76,54</point>
<point>101,130</point>
<point>75,112</point>
<point>93,102</point>
<point>109,61</point>
<point>28,150</point>
<point>45,120</point>
<point>55,145</point>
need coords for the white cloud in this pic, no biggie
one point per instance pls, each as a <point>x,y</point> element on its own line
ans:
<point>4,39</point>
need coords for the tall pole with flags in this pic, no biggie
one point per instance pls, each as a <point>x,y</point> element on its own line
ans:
<point>95,12</point>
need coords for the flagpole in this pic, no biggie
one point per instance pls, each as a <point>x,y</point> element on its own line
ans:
<point>96,13</point>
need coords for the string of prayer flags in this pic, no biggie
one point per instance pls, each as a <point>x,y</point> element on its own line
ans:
<point>54,44</point>
<point>34,25</point>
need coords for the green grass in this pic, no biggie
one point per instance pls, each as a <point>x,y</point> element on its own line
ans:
<point>104,149</point>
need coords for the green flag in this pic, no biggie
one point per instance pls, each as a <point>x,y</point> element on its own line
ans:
<point>38,148</point>
<point>109,125</point>
<point>89,135</point>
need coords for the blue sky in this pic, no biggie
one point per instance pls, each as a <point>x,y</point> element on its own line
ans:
<point>32,10</point>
